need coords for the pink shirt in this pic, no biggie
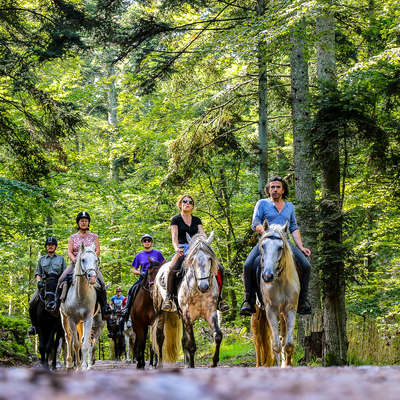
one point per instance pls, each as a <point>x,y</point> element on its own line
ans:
<point>77,239</point>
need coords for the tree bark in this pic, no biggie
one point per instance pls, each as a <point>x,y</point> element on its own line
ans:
<point>262,108</point>
<point>304,181</point>
<point>332,264</point>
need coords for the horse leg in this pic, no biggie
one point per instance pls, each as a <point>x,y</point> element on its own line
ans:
<point>212,319</point>
<point>86,345</point>
<point>43,349</point>
<point>140,346</point>
<point>272,316</point>
<point>188,343</point>
<point>68,340</point>
<point>289,343</point>
<point>76,340</point>
<point>159,331</point>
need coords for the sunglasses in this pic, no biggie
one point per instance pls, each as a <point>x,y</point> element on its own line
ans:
<point>146,240</point>
<point>187,201</point>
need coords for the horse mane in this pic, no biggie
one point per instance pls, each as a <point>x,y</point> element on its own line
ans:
<point>287,264</point>
<point>199,242</point>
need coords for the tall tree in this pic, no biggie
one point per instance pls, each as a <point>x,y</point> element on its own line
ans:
<point>332,262</point>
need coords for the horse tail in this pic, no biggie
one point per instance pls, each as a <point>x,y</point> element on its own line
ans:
<point>79,330</point>
<point>262,338</point>
<point>172,337</point>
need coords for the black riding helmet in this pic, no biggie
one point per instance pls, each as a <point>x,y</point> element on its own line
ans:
<point>82,214</point>
<point>51,240</point>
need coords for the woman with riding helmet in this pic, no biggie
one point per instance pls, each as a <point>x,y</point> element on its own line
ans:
<point>74,243</point>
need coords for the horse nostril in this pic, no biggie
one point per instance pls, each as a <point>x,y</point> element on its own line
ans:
<point>204,286</point>
<point>268,277</point>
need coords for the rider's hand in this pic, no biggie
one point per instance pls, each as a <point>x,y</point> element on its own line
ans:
<point>306,252</point>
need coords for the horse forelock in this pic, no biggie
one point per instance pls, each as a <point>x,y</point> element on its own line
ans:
<point>199,243</point>
<point>287,263</point>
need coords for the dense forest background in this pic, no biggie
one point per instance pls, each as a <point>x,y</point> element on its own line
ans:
<point>119,107</point>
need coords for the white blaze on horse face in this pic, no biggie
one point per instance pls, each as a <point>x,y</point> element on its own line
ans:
<point>89,265</point>
<point>202,267</point>
<point>272,249</point>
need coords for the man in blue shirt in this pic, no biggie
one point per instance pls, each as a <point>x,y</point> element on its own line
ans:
<point>117,299</point>
<point>140,265</point>
<point>276,211</point>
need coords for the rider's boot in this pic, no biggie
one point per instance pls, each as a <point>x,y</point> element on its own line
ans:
<point>304,306</point>
<point>248,306</point>
<point>168,301</point>
<point>102,300</point>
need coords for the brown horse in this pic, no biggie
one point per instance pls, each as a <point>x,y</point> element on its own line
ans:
<point>142,312</point>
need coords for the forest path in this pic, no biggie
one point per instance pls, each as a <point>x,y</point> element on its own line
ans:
<point>116,380</point>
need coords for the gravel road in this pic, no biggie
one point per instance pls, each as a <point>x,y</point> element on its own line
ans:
<point>117,380</point>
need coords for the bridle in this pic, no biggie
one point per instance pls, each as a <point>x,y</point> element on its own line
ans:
<point>85,272</point>
<point>281,266</point>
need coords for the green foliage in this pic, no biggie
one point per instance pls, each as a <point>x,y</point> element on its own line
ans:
<point>14,348</point>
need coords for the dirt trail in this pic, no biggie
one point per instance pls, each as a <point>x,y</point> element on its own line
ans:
<point>115,380</point>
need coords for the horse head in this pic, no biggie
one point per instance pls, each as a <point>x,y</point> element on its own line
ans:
<point>49,296</point>
<point>88,262</point>
<point>152,271</point>
<point>202,259</point>
<point>271,248</point>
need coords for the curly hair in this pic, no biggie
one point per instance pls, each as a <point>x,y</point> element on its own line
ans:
<point>284,185</point>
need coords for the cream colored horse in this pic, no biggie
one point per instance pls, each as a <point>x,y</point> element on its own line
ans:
<point>197,298</point>
<point>78,309</point>
<point>280,287</point>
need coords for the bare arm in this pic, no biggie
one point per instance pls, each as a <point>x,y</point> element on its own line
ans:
<point>299,243</point>
<point>174,237</point>
<point>70,249</point>
<point>97,244</point>
<point>136,271</point>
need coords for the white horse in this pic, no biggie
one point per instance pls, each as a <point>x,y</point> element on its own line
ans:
<point>130,338</point>
<point>197,298</point>
<point>280,287</point>
<point>78,308</point>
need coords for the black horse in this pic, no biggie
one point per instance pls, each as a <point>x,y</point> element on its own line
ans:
<point>115,333</point>
<point>47,323</point>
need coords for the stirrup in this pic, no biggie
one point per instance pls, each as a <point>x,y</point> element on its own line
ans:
<point>223,307</point>
<point>247,309</point>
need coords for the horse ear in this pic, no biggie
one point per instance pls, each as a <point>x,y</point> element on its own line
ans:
<point>150,259</point>
<point>265,225</point>
<point>189,239</point>
<point>286,227</point>
<point>82,246</point>
<point>210,238</point>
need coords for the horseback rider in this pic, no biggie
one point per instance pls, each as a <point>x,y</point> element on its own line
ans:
<point>277,211</point>
<point>51,263</point>
<point>117,300</point>
<point>140,265</point>
<point>74,244</point>
<point>181,224</point>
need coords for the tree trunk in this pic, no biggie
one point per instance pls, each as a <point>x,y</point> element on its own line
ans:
<point>304,182</point>
<point>332,265</point>
<point>262,108</point>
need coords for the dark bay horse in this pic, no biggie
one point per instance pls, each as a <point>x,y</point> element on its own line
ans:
<point>116,334</point>
<point>142,312</point>
<point>48,323</point>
